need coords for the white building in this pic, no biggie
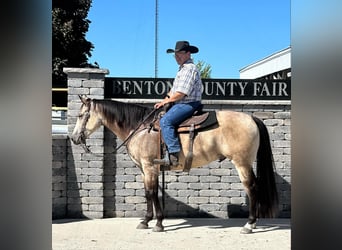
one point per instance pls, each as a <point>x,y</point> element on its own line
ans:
<point>275,66</point>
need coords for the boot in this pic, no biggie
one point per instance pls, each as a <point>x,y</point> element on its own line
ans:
<point>174,159</point>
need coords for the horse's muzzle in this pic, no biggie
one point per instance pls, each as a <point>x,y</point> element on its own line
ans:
<point>76,139</point>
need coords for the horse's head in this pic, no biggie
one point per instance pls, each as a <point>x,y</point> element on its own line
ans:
<point>87,121</point>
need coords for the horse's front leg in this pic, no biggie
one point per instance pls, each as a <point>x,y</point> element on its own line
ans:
<point>150,178</point>
<point>149,212</point>
<point>159,212</point>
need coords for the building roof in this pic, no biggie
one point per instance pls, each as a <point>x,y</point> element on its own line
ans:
<point>278,61</point>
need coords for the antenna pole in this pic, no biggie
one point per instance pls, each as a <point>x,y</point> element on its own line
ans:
<point>156,43</point>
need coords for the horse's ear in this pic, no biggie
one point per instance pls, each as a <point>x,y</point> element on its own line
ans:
<point>83,99</point>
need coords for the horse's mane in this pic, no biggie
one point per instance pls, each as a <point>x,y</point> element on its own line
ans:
<point>126,115</point>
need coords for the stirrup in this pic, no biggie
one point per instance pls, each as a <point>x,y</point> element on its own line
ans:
<point>165,161</point>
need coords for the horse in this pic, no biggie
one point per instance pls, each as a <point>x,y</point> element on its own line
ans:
<point>237,136</point>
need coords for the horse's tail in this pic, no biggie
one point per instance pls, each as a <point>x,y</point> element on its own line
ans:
<point>267,195</point>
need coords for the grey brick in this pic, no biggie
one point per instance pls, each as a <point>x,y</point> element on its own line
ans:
<point>231,179</point>
<point>264,114</point>
<point>177,186</point>
<point>209,179</point>
<point>78,91</point>
<point>92,171</point>
<point>236,186</point>
<point>92,200</point>
<point>96,207</point>
<point>219,186</point>
<point>95,178</point>
<point>95,193</point>
<point>135,199</point>
<point>93,83</point>
<point>219,200</point>
<point>230,193</point>
<point>134,185</point>
<point>209,207</point>
<point>198,186</point>
<point>125,178</point>
<point>124,192</point>
<point>93,214</point>
<point>282,129</point>
<point>199,171</point>
<point>274,122</point>
<point>220,172</point>
<point>188,178</point>
<point>187,193</point>
<point>209,193</point>
<point>238,200</point>
<point>96,91</point>
<point>125,207</point>
<point>198,200</point>
<point>282,144</point>
<point>282,115</point>
<point>95,185</point>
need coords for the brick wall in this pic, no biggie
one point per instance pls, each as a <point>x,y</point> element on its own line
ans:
<point>59,176</point>
<point>108,184</point>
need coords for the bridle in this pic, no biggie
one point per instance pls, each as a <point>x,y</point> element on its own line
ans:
<point>86,115</point>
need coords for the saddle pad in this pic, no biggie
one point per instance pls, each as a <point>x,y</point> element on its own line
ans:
<point>195,119</point>
<point>209,121</point>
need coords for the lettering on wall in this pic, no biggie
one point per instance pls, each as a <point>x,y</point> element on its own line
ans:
<point>212,89</point>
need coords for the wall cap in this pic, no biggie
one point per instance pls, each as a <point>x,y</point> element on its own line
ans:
<point>213,102</point>
<point>86,70</point>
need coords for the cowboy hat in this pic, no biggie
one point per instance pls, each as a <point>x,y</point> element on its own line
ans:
<point>183,46</point>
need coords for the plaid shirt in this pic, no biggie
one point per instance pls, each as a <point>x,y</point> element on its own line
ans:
<point>188,82</point>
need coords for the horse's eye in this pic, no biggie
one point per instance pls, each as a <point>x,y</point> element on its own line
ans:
<point>80,115</point>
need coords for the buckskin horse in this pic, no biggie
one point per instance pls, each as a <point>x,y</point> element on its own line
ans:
<point>237,136</point>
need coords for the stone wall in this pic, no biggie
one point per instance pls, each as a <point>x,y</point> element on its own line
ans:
<point>59,176</point>
<point>108,184</point>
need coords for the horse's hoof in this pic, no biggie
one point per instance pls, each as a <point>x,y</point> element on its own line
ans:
<point>246,231</point>
<point>158,229</point>
<point>248,228</point>
<point>142,226</point>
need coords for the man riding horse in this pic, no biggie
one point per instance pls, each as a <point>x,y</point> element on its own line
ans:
<point>185,97</point>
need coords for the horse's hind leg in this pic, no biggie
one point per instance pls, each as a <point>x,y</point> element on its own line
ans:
<point>248,180</point>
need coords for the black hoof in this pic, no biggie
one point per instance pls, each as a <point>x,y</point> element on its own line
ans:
<point>142,226</point>
<point>158,229</point>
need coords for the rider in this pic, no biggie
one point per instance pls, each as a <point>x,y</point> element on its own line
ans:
<point>185,95</point>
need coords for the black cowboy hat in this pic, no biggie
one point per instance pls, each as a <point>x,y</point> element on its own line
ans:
<point>183,46</point>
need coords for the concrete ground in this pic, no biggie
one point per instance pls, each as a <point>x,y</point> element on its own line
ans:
<point>185,233</point>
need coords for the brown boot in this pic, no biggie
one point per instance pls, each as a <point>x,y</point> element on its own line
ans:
<point>174,159</point>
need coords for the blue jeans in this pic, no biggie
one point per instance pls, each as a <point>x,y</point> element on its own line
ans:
<point>178,113</point>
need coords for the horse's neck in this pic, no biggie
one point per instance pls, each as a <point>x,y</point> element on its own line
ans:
<point>122,134</point>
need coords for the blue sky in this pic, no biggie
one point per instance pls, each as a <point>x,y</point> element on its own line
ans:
<point>229,34</point>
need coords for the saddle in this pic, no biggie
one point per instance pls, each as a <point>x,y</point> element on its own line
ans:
<point>198,121</point>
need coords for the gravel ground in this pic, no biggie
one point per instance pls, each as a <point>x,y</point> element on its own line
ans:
<point>186,233</point>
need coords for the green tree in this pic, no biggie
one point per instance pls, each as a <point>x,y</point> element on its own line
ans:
<point>204,68</point>
<point>69,46</point>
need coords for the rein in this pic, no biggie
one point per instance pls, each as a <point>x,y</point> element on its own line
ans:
<point>136,129</point>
